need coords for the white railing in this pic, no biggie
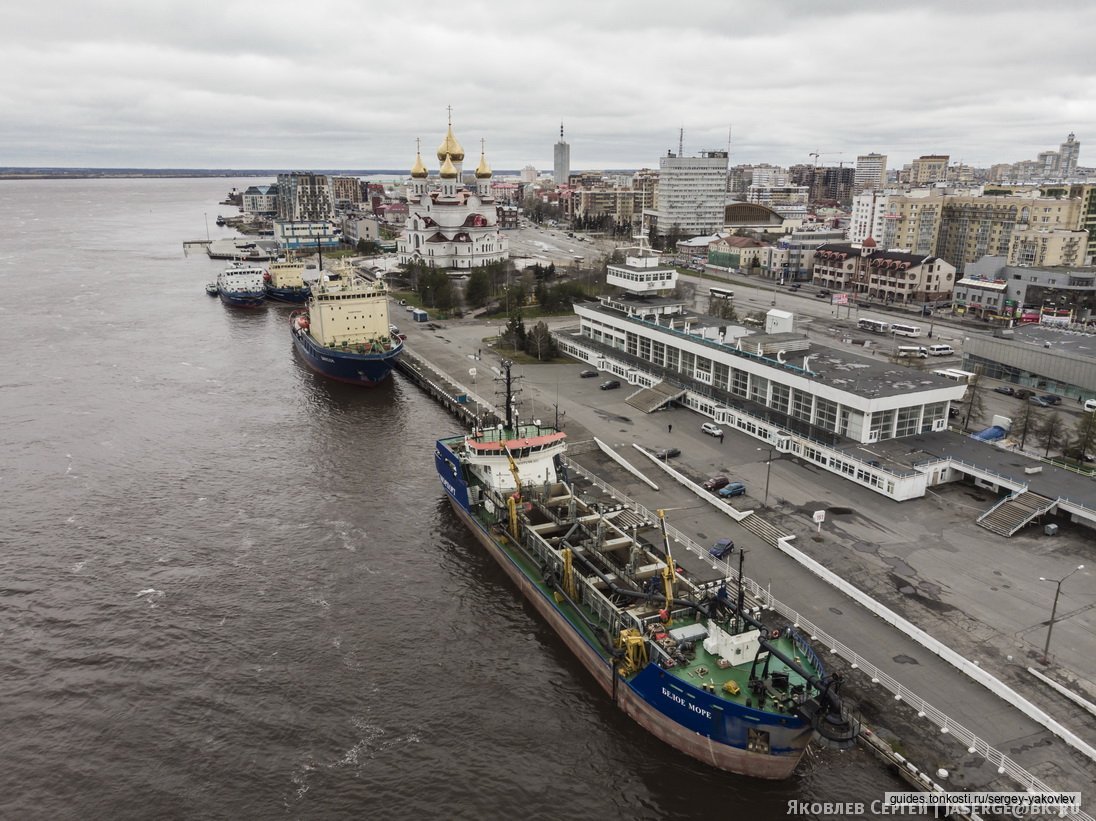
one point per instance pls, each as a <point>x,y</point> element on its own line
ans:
<point>948,726</point>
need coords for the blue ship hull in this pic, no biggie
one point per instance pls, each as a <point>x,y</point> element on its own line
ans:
<point>246,299</point>
<point>700,724</point>
<point>296,296</point>
<point>346,365</point>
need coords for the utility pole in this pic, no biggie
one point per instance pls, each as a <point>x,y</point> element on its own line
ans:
<point>1054,609</point>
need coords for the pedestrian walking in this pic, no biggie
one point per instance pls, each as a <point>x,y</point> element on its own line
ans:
<point>670,428</point>
<point>721,438</point>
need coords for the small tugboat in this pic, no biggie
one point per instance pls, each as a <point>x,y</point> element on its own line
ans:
<point>241,285</point>
<point>212,289</point>
<point>673,642</point>
<point>344,333</point>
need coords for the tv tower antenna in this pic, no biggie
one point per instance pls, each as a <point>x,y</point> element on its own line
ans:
<point>681,142</point>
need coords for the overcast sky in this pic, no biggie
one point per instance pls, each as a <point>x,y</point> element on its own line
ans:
<point>351,84</point>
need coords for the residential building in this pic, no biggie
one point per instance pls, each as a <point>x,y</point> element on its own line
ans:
<point>357,226</point>
<point>561,160</point>
<point>691,195</point>
<point>929,168</point>
<point>346,191</point>
<point>973,226</point>
<point>624,205</point>
<point>448,225</point>
<point>261,200</point>
<point>1031,245</point>
<point>792,199</point>
<point>304,197</point>
<point>529,174</point>
<point>1068,154</point>
<point>863,269</point>
<point>871,172</point>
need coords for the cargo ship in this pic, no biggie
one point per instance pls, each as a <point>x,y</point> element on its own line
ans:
<point>671,640</point>
<point>344,332</point>
<point>241,285</point>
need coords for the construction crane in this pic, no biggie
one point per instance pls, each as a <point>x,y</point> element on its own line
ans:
<point>668,572</point>
<point>513,501</point>
<point>817,154</point>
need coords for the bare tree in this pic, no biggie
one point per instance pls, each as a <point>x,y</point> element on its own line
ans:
<point>1052,432</point>
<point>1084,436</point>
<point>976,405</point>
<point>539,342</point>
<point>1025,422</point>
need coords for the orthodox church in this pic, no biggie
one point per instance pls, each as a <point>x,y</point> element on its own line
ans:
<point>449,225</point>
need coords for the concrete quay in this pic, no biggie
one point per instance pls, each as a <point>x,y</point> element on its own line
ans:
<point>925,559</point>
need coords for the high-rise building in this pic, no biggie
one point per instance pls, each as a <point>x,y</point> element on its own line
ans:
<point>561,160</point>
<point>928,169</point>
<point>304,196</point>
<point>691,195</point>
<point>871,172</point>
<point>1068,154</point>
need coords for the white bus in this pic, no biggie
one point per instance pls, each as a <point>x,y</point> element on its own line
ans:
<point>876,326</point>
<point>955,375</point>
<point>899,329</point>
<point>721,293</point>
<point>912,350</point>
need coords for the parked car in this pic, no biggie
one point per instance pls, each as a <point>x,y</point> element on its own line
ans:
<point>954,413</point>
<point>712,429</point>
<point>732,489</point>
<point>667,453</point>
<point>1090,405</point>
<point>1051,399</point>
<point>715,483</point>
<point>1040,401</point>
<point>610,385</point>
<point>823,293</point>
<point>926,311</point>
<point>794,286</point>
<point>1005,389</point>
<point>722,548</point>
<point>1022,394</point>
<point>588,373</point>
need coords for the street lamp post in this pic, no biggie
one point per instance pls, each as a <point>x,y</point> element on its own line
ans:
<point>768,474</point>
<point>1054,609</point>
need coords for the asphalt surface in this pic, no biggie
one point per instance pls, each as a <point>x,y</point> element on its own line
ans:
<point>926,559</point>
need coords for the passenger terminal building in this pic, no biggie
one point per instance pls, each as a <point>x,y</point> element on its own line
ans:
<point>823,404</point>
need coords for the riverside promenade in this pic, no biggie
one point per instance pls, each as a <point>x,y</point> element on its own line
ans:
<point>551,391</point>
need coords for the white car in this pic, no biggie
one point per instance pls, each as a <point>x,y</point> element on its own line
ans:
<point>712,429</point>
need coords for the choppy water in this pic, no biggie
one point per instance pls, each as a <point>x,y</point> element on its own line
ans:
<point>230,589</point>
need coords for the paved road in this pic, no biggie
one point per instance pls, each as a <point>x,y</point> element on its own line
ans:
<point>923,558</point>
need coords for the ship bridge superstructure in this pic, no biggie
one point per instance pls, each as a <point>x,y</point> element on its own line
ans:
<point>532,448</point>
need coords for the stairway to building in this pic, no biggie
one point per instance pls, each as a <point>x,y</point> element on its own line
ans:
<point>655,397</point>
<point>1013,512</point>
<point>763,529</point>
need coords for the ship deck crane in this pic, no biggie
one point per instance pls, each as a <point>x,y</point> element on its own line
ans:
<point>513,500</point>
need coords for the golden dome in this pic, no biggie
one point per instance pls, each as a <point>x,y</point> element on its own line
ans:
<point>483,170</point>
<point>450,147</point>
<point>448,170</point>
<point>418,170</point>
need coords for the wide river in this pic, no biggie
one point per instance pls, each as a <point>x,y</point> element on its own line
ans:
<point>231,589</point>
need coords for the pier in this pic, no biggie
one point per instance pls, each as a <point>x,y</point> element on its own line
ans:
<point>925,711</point>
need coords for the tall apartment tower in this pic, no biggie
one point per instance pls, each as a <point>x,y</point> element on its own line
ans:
<point>871,172</point>
<point>304,196</point>
<point>1068,154</point>
<point>562,157</point>
<point>691,195</point>
<point>929,168</point>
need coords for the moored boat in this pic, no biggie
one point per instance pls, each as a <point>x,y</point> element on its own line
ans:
<point>344,332</point>
<point>284,281</point>
<point>241,285</point>
<point>672,641</point>
<point>212,289</point>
